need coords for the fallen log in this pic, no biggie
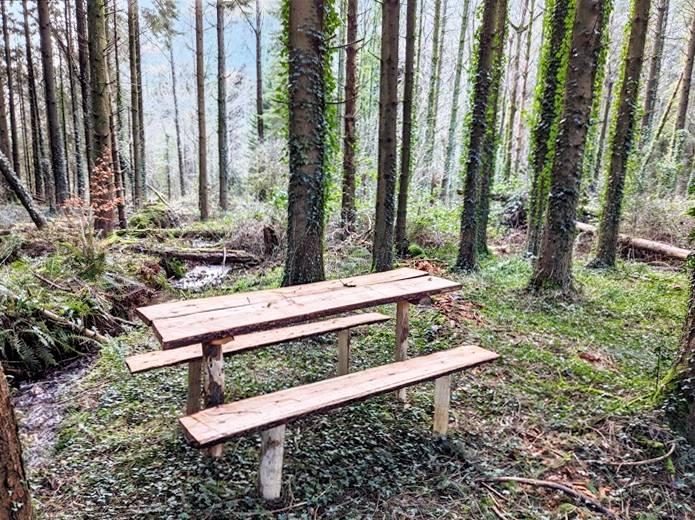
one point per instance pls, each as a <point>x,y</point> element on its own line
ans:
<point>641,244</point>
<point>203,256</point>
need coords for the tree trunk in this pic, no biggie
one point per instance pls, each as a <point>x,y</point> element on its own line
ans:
<point>550,72</point>
<point>135,103</point>
<point>680,131</point>
<point>115,123</point>
<point>15,501</point>
<point>431,118</point>
<point>259,75</point>
<point>200,95</point>
<point>36,134</point>
<point>445,187</point>
<point>652,87</point>
<point>524,86</point>
<point>347,212</point>
<point>307,142</point>
<point>602,137</point>
<point>406,143</point>
<point>167,165</point>
<point>10,91</point>
<point>60,181</point>
<point>79,172</point>
<point>63,119</point>
<point>222,107</point>
<point>102,178</point>
<point>553,269</point>
<point>513,107</point>
<point>83,60</point>
<point>622,130</point>
<point>21,192</point>
<point>177,123</point>
<point>382,249</point>
<point>489,46</point>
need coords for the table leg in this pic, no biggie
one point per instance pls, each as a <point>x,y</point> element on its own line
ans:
<point>442,395</point>
<point>402,339</point>
<point>194,387</point>
<point>343,352</point>
<point>213,390</point>
<point>270,468</point>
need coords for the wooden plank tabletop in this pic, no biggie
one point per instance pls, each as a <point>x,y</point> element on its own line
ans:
<point>186,307</point>
<point>259,413</point>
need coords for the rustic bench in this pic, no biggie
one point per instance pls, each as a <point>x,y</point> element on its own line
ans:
<point>193,354</point>
<point>270,413</point>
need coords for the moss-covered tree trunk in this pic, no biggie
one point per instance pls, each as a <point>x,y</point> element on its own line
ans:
<point>307,142</point>
<point>60,181</point>
<point>481,126</point>
<point>15,501</point>
<point>652,87</point>
<point>445,188</point>
<point>222,108</point>
<point>553,269</point>
<point>406,141</point>
<point>382,250</point>
<point>621,135</point>
<point>36,133</point>
<point>101,189</point>
<point>347,212</point>
<point>200,101</point>
<point>551,70</point>
<point>680,131</point>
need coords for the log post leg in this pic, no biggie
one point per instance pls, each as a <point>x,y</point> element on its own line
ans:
<point>402,339</point>
<point>343,352</point>
<point>270,468</point>
<point>194,387</point>
<point>442,394</point>
<point>213,390</point>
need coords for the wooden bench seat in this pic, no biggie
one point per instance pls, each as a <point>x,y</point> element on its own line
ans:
<point>271,412</point>
<point>164,358</point>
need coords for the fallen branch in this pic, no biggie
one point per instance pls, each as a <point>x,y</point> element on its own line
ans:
<point>560,487</point>
<point>641,244</point>
<point>205,256</point>
<point>637,462</point>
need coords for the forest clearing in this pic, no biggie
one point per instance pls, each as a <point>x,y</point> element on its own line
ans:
<point>347,259</point>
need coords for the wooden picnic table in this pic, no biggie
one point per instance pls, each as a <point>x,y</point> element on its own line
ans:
<point>215,321</point>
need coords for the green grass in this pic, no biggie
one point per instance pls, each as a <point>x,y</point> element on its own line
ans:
<point>574,383</point>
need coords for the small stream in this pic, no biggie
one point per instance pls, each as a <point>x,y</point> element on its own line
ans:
<point>41,405</point>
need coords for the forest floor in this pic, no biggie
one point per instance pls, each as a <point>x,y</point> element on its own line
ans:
<point>570,400</point>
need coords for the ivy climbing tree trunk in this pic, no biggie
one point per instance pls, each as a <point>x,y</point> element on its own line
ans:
<point>103,199</point>
<point>406,141</point>
<point>347,211</point>
<point>551,71</point>
<point>15,501</point>
<point>60,181</point>
<point>136,117</point>
<point>622,130</point>
<point>481,125</point>
<point>382,249</point>
<point>307,143</point>
<point>553,269</point>
<point>200,97</point>
<point>654,70</point>
<point>36,134</point>
<point>445,188</point>
<point>222,107</point>
<point>680,132</point>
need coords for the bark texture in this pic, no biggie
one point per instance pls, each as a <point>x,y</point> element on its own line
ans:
<point>621,135</point>
<point>347,212</point>
<point>307,143</point>
<point>15,501</point>
<point>136,120</point>
<point>406,142</point>
<point>382,250</point>
<point>222,150</point>
<point>554,266</point>
<point>259,74</point>
<point>200,96</point>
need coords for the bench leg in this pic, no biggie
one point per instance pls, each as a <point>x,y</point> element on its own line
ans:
<point>194,387</point>
<point>402,339</point>
<point>213,372</point>
<point>442,394</point>
<point>343,352</point>
<point>270,469</point>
